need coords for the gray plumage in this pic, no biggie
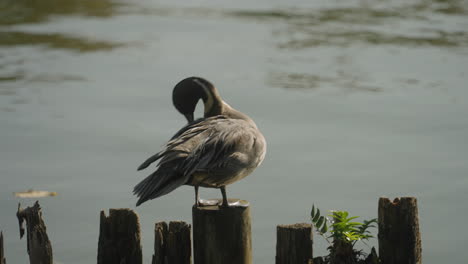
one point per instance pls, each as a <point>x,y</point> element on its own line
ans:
<point>214,151</point>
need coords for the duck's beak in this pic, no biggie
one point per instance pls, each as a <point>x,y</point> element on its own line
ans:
<point>189,117</point>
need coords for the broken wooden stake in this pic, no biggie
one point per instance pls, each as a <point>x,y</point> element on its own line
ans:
<point>2,252</point>
<point>294,244</point>
<point>399,237</point>
<point>38,243</point>
<point>119,238</point>
<point>172,245</point>
<point>160,235</point>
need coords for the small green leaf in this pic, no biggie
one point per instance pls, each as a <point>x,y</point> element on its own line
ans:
<point>312,213</point>
<point>324,228</point>
<point>320,221</point>
<point>317,216</point>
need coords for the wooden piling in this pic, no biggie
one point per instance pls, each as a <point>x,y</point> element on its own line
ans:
<point>38,243</point>
<point>178,243</point>
<point>172,245</point>
<point>119,238</point>
<point>222,234</point>
<point>399,237</point>
<point>294,244</point>
<point>2,252</point>
<point>160,235</point>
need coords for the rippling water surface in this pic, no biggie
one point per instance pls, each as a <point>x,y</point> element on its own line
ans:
<point>357,100</point>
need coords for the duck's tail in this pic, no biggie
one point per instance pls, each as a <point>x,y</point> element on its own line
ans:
<point>159,183</point>
<point>150,160</point>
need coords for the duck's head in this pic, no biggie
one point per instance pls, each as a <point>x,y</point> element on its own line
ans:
<point>187,92</point>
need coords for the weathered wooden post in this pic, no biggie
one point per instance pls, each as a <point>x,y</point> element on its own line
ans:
<point>119,238</point>
<point>294,244</point>
<point>399,237</point>
<point>2,252</point>
<point>222,234</point>
<point>160,235</point>
<point>38,243</point>
<point>179,246</point>
<point>172,245</point>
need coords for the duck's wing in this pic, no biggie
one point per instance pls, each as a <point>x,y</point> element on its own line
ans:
<point>169,174</point>
<point>160,154</point>
<point>150,160</point>
<point>228,146</point>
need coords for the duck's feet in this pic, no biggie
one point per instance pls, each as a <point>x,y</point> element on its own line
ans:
<point>225,200</point>
<point>220,203</point>
<point>203,202</point>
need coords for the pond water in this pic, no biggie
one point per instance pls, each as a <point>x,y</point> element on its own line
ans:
<point>357,100</point>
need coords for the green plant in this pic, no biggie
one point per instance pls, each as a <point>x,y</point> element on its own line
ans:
<point>342,228</point>
<point>344,232</point>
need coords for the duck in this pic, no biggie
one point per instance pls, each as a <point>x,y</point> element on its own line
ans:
<point>222,147</point>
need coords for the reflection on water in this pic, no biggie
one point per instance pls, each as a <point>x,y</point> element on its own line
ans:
<point>17,16</point>
<point>11,78</point>
<point>36,11</point>
<point>451,7</point>
<point>55,41</point>
<point>366,24</point>
<point>312,81</point>
<point>410,24</point>
<point>345,38</point>
<point>365,13</point>
<point>50,78</point>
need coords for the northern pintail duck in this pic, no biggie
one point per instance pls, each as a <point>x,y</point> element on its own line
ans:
<point>221,148</point>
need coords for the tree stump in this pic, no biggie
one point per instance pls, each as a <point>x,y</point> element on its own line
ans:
<point>2,252</point>
<point>38,243</point>
<point>222,234</point>
<point>399,237</point>
<point>172,245</point>
<point>119,238</point>
<point>294,244</point>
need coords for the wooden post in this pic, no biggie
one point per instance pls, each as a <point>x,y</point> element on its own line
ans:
<point>222,234</point>
<point>2,253</point>
<point>399,237</point>
<point>294,244</point>
<point>38,243</point>
<point>179,246</point>
<point>119,238</point>
<point>172,245</point>
<point>160,235</point>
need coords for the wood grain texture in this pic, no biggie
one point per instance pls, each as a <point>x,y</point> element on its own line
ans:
<point>160,236</point>
<point>119,238</point>
<point>172,243</point>
<point>38,243</point>
<point>294,244</point>
<point>222,234</point>
<point>399,236</point>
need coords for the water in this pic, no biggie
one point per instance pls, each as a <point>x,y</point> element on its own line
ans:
<point>357,100</point>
